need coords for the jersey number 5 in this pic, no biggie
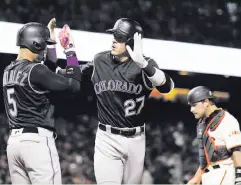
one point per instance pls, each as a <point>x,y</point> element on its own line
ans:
<point>12,102</point>
<point>130,106</point>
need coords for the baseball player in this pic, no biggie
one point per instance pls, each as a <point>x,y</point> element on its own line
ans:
<point>122,79</point>
<point>31,150</point>
<point>219,138</point>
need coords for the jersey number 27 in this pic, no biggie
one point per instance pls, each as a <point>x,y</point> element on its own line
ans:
<point>131,106</point>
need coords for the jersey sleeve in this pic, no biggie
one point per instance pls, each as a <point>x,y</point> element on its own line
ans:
<point>166,87</point>
<point>41,77</point>
<point>231,133</point>
<point>51,58</point>
<point>51,54</point>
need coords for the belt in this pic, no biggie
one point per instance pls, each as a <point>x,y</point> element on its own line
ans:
<point>28,130</point>
<point>214,167</point>
<point>32,130</point>
<point>126,133</point>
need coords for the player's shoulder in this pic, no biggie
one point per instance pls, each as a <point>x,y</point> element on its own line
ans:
<point>14,63</point>
<point>9,66</point>
<point>229,122</point>
<point>230,119</point>
<point>102,55</point>
<point>38,68</point>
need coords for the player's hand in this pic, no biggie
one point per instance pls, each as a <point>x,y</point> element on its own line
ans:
<point>65,37</point>
<point>137,54</point>
<point>67,42</point>
<point>51,26</point>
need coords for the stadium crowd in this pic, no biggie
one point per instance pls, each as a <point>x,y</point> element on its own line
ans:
<point>206,22</point>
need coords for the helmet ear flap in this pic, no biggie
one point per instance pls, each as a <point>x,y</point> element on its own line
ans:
<point>130,42</point>
<point>37,45</point>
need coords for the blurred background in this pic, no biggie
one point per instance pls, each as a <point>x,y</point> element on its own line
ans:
<point>171,154</point>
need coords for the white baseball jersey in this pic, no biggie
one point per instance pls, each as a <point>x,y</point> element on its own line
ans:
<point>226,134</point>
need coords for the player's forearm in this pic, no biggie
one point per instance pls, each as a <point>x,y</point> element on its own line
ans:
<point>167,86</point>
<point>158,78</point>
<point>72,60</point>
<point>56,84</point>
<point>199,172</point>
<point>198,175</point>
<point>86,71</point>
<point>42,77</point>
<point>155,75</point>
<point>71,57</point>
<point>237,158</point>
<point>51,54</point>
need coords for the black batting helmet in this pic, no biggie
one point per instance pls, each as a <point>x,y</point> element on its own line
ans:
<point>34,36</point>
<point>198,94</point>
<point>125,28</point>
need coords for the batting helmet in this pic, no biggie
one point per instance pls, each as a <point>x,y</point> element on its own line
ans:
<point>34,36</point>
<point>126,28</point>
<point>198,94</point>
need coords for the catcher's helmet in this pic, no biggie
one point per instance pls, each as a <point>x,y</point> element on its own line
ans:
<point>198,94</point>
<point>34,36</point>
<point>126,28</point>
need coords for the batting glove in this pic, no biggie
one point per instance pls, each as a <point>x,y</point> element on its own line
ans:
<point>136,54</point>
<point>66,40</point>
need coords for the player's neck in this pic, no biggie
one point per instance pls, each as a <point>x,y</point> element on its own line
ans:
<point>25,54</point>
<point>210,110</point>
<point>121,59</point>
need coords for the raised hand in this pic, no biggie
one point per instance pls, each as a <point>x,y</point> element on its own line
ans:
<point>137,54</point>
<point>51,26</point>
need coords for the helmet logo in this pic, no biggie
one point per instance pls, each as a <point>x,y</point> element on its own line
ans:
<point>37,45</point>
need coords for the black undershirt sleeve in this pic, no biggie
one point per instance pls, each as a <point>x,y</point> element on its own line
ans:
<point>45,79</point>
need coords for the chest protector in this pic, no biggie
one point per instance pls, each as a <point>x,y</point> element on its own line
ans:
<point>208,152</point>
